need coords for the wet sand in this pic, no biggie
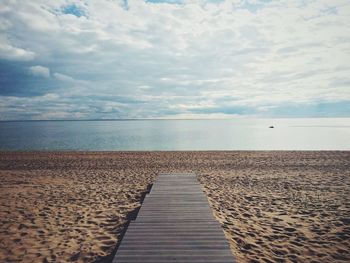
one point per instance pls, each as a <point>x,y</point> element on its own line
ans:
<point>273,206</point>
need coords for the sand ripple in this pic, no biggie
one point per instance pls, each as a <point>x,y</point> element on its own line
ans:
<point>273,206</point>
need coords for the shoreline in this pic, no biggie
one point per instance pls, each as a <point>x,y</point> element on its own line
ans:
<point>272,205</point>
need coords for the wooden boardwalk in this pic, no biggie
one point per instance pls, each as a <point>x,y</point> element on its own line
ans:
<point>175,224</point>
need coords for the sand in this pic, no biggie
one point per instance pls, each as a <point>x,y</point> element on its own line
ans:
<point>273,206</point>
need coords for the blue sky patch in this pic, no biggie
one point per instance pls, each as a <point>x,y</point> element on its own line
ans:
<point>254,7</point>
<point>125,4</point>
<point>73,10</point>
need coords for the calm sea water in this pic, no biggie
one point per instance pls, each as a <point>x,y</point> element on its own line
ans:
<point>237,134</point>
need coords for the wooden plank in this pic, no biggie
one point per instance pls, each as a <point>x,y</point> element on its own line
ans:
<point>174,224</point>
<point>170,258</point>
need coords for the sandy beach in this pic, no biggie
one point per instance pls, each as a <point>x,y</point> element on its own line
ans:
<point>273,206</point>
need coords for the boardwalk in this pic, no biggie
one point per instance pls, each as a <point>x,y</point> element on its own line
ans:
<point>174,224</point>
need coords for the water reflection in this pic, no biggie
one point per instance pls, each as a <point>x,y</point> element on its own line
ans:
<point>237,134</point>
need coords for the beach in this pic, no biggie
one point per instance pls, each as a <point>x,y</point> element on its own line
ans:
<point>283,206</point>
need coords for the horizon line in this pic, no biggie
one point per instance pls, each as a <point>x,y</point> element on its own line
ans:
<point>184,119</point>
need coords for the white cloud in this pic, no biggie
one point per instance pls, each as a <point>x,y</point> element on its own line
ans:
<point>40,71</point>
<point>63,77</point>
<point>10,52</point>
<point>175,58</point>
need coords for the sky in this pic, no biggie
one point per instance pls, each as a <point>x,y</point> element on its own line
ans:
<point>126,59</point>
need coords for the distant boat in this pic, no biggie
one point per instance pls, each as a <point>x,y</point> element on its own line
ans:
<point>271,127</point>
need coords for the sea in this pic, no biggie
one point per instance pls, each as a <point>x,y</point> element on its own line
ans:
<point>177,135</point>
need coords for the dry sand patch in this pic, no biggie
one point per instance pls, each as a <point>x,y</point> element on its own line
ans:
<point>273,206</point>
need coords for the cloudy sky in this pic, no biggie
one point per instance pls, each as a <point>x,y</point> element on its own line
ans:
<point>110,59</point>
